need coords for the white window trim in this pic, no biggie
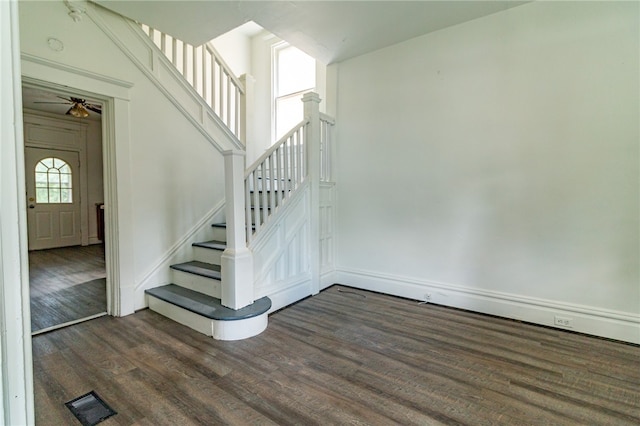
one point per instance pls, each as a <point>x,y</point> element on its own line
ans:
<point>274,86</point>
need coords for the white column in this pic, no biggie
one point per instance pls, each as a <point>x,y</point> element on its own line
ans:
<point>16,374</point>
<point>312,112</point>
<point>237,259</point>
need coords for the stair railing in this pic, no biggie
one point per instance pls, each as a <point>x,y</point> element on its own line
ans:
<point>273,177</point>
<point>209,75</point>
<point>282,169</point>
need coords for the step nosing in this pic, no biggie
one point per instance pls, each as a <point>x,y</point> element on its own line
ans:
<point>211,245</point>
<point>202,269</point>
<point>207,306</point>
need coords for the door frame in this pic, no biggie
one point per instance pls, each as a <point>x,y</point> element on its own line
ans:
<point>114,96</point>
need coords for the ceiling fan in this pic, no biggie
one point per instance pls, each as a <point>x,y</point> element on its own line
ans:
<point>79,107</point>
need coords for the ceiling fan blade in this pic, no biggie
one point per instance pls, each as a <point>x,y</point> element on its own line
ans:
<point>66,99</point>
<point>57,103</point>
<point>93,108</point>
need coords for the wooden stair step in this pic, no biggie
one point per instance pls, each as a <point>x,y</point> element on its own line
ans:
<point>224,225</point>
<point>207,306</point>
<point>213,245</point>
<point>202,269</point>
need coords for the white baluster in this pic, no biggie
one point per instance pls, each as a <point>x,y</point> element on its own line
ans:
<point>272,180</point>
<point>204,73</point>
<point>279,176</point>
<point>174,52</point>
<point>247,208</point>
<point>287,166</point>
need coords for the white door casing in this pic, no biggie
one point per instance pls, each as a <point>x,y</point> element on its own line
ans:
<point>52,224</point>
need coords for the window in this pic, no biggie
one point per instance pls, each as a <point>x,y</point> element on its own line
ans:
<point>53,181</point>
<point>294,75</point>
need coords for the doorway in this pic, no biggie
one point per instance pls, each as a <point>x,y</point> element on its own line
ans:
<point>53,189</point>
<point>64,190</point>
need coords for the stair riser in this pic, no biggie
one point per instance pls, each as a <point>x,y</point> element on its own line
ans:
<point>219,234</point>
<point>207,255</point>
<point>198,283</point>
<point>220,330</point>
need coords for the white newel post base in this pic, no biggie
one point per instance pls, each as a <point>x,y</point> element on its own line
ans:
<point>237,259</point>
<point>237,278</point>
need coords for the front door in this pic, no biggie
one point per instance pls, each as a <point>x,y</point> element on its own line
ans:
<point>53,198</point>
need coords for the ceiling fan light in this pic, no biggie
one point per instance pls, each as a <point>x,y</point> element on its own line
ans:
<point>79,111</point>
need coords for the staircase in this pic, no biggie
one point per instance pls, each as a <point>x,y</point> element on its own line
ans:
<point>279,196</point>
<point>194,297</point>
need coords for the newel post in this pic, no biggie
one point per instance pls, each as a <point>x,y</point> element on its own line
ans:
<point>237,259</point>
<point>312,112</point>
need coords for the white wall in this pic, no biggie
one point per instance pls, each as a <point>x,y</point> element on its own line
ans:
<point>176,174</point>
<point>235,49</point>
<point>494,165</point>
<point>261,45</point>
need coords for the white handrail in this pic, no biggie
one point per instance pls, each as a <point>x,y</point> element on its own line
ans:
<point>275,146</point>
<point>209,75</point>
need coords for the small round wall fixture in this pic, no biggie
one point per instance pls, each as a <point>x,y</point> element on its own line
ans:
<point>55,44</point>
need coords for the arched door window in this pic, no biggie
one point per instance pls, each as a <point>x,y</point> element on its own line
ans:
<point>53,181</point>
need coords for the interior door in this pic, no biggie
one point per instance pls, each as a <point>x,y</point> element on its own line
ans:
<point>53,198</point>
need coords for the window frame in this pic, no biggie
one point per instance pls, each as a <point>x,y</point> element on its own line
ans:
<point>50,185</point>
<point>275,96</point>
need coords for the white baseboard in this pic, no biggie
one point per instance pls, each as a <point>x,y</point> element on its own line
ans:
<point>327,279</point>
<point>289,293</point>
<point>583,319</point>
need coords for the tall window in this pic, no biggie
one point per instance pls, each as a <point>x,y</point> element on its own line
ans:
<point>53,181</point>
<point>294,75</point>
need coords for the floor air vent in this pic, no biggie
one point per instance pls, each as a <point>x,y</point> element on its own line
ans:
<point>90,409</point>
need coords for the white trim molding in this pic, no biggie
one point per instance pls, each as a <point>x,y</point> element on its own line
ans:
<point>16,364</point>
<point>114,94</point>
<point>583,319</point>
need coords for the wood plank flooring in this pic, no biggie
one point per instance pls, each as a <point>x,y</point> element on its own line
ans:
<point>66,284</point>
<point>344,356</point>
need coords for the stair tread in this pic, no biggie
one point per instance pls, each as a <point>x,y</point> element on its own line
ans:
<point>213,244</point>
<point>207,306</point>
<point>203,269</point>
<point>224,225</point>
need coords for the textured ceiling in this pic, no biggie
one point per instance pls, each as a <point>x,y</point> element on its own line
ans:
<point>330,31</point>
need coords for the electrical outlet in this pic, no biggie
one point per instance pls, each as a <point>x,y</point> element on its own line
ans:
<point>563,321</point>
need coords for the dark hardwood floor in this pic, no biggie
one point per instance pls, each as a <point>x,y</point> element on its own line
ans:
<point>66,284</point>
<point>344,356</point>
